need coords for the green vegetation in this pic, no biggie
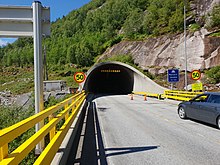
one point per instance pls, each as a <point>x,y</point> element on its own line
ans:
<point>12,115</point>
<point>213,75</point>
<point>17,80</point>
<point>215,17</point>
<point>21,80</point>
<point>121,58</point>
<point>87,32</point>
<point>79,38</point>
<point>216,34</point>
<point>194,27</point>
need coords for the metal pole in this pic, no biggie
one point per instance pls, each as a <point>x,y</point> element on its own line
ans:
<point>45,64</point>
<point>38,67</point>
<point>185,45</point>
<point>171,86</point>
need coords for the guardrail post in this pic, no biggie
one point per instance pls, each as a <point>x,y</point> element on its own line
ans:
<point>3,151</point>
<point>74,106</point>
<point>53,130</point>
<point>159,97</point>
<point>67,114</point>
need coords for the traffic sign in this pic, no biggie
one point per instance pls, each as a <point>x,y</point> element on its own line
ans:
<point>19,21</point>
<point>173,75</point>
<point>195,74</point>
<point>197,87</point>
<point>79,77</point>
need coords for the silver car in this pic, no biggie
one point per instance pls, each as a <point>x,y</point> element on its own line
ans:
<point>204,107</point>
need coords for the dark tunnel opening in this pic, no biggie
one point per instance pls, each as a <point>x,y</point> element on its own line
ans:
<point>110,79</point>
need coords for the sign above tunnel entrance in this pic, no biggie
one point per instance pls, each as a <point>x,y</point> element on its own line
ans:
<point>79,77</point>
<point>173,75</point>
<point>111,71</point>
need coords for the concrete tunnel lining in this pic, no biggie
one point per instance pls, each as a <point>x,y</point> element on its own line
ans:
<point>105,78</point>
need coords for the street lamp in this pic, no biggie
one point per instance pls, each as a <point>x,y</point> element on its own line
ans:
<point>185,44</point>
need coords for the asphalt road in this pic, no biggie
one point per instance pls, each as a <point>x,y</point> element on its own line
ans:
<point>120,131</point>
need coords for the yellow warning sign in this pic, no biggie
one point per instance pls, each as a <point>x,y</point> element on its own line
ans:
<point>197,87</point>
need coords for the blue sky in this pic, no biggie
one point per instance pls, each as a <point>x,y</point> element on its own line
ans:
<point>58,8</point>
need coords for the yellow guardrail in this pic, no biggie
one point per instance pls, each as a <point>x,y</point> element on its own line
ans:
<point>71,108</point>
<point>180,95</point>
<point>159,96</point>
<point>171,94</point>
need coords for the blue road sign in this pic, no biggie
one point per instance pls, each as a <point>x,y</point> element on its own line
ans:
<point>173,75</point>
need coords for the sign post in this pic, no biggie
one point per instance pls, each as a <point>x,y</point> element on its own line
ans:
<point>38,68</point>
<point>29,21</point>
<point>172,76</point>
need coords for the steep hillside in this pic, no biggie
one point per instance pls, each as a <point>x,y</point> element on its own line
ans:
<point>156,54</point>
<point>86,33</point>
<point>160,53</point>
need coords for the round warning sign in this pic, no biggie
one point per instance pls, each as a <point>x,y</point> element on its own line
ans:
<point>79,77</point>
<point>195,74</point>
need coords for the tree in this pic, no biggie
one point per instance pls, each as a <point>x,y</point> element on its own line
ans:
<point>214,74</point>
<point>215,16</point>
<point>133,24</point>
<point>71,54</point>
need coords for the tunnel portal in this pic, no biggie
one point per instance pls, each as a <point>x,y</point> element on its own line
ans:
<point>110,79</point>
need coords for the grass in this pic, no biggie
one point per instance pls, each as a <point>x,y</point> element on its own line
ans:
<point>17,80</point>
<point>216,34</point>
<point>21,80</point>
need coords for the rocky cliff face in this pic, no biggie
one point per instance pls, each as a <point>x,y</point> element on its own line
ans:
<point>201,8</point>
<point>158,54</point>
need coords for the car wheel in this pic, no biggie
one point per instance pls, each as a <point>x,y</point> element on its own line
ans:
<point>182,113</point>
<point>218,122</point>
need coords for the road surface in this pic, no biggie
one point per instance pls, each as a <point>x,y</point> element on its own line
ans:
<point>119,131</point>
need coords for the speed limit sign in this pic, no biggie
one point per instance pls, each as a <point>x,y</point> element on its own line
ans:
<point>195,74</point>
<point>79,77</point>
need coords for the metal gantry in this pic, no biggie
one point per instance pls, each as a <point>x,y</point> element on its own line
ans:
<point>29,21</point>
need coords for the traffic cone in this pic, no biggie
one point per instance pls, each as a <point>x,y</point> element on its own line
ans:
<point>145,97</point>
<point>132,97</point>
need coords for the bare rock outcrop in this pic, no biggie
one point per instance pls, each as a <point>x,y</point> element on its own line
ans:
<point>158,54</point>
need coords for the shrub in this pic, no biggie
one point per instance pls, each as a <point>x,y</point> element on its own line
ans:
<point>214,74</point>
<point>194,27</point>
<point>215,16</point>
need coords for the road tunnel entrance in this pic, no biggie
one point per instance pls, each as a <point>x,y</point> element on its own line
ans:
<point>110,79</point>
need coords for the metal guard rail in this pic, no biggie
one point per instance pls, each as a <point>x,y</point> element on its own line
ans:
<point>171,94</point>
<point>71,108</point>
<point>180,95</point>
<point>148,94</point>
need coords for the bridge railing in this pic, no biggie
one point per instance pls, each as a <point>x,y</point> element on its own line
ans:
<point>68,111</point>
